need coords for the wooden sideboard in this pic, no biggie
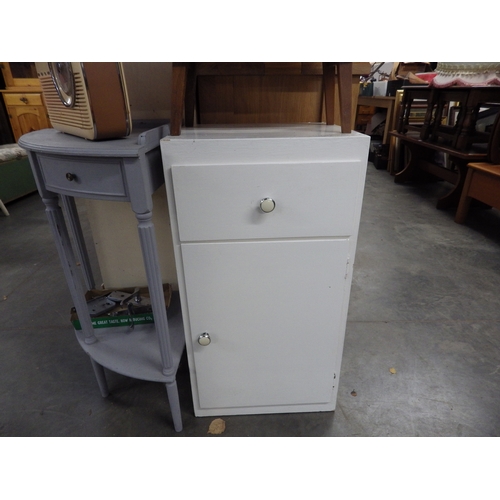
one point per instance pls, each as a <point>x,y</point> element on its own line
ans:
<point>23,98</point>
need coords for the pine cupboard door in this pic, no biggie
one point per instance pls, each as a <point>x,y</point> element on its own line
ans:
<point>273,310</point>
<point>25,119</point>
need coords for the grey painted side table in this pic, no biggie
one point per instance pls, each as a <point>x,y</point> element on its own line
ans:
<point>127,169</point>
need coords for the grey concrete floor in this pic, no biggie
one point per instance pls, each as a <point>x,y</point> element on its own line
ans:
<point>425,302</point>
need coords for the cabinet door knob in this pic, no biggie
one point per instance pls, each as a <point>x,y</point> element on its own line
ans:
<point>204,339</point>
<point>70,177</point>
<point>267,205</point>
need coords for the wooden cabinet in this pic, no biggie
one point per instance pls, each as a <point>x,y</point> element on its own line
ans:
<point>23,99</point>
<point>265,223</point>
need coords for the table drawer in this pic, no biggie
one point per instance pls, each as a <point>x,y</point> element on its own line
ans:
<point>23,99</point>
<point>223,202</point>
<point>98,179</point>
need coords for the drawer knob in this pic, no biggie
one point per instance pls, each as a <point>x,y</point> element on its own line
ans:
<point>267,205</point>
<point>70,177</point>
<point>204,339</point>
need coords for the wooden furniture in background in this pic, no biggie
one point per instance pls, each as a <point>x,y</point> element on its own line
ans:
<point>23,98</point>
<point>385,102</point>
<point>422,162</point>
<point>482,182</point>
<point>394,147</point>
<point>235,93</point>
<point>363,117</point>
<point>444,150</point>
<point>6,136</point>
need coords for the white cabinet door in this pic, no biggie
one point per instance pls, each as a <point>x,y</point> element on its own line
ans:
<point>274,313</point>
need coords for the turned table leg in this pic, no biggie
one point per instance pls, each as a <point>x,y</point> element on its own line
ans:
<point>147,239</point>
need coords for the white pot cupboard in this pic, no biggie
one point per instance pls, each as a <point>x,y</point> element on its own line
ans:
<point>265,223</point>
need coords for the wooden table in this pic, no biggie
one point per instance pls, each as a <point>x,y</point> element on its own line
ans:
<point>235,93</point>
<point>386,102</point>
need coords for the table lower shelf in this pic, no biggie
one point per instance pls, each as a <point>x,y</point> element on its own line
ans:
<point>135,352</point>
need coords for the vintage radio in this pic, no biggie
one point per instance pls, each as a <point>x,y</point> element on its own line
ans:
<point>86,99</point>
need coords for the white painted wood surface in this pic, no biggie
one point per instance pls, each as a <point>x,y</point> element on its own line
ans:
<point>270,289</point>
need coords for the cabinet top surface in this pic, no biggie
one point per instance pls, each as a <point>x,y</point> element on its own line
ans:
<point>224,132</point>
<point>51,141</point>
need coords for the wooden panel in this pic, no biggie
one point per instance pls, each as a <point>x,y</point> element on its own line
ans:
<point>24,79</point>
<point>26,119</point>
<point>23,99</point>
<point>260,99</point>
<point>215,97</point>
<point>6,136</point>
<point>486,188</point>
<point>266,99</point>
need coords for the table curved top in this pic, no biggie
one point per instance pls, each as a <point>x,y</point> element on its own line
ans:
<point>51,141</point>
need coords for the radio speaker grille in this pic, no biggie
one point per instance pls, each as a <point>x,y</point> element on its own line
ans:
<point>101,108</point>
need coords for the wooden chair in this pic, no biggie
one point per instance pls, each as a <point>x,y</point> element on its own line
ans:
<point>184,83</point>
<point>482,182</point>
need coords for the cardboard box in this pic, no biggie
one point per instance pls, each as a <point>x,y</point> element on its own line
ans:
<point>110,319</point>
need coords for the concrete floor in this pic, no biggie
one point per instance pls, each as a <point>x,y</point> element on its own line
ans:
<point>425,302</point>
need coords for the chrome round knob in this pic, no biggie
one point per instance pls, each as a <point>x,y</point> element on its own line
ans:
<point>267,205</point>
<point>204,339</point>
<point>70,177</point>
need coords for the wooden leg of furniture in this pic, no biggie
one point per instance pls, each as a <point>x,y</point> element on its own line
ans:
<point>465,200</point>
<point>329,91</point>
<point>190,96</point>
<point>179,79</point>
<point>344,75</point>
<point>388,122</point>
<point>467,128</point>
<point>101,378</point>
<point>411,171</point>
<point>344,71</point>
<point>452,198</point>
<point>421,167</point>
<point>429,116</point>
<point>404,113</point>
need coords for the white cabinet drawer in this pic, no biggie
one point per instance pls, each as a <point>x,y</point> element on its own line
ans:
<point>91,178</point>
<point>222,202</point>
